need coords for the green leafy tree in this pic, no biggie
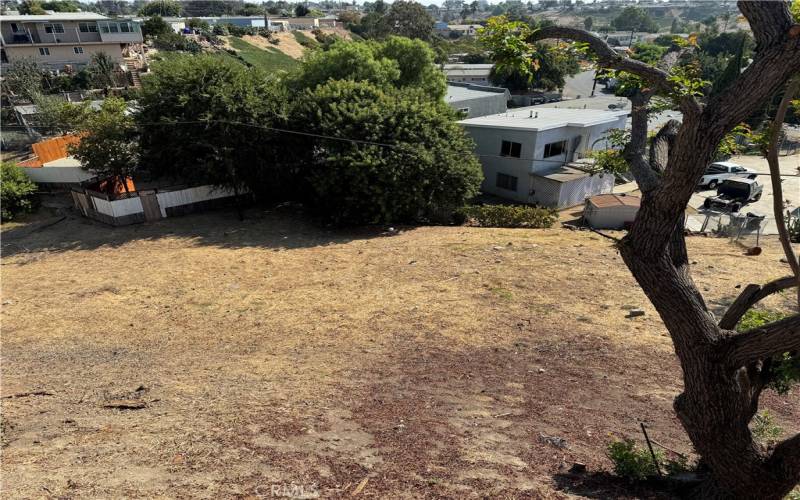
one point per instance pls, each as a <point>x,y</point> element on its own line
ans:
<point>197,24</point>
<point>408,19</point>
<point>103,70</point>
<point>206,119</point>
<point>300,10</point>
<point>174,42</point>
<point>57,116</point>
<point>634,19</point>
<point>33,7</point>
<point>62,6</point>
<point>108,146</point>
<point>417,161</point>
<point>24,77</point>
<point>520,65</point>
<point>206,8</point>
<point>161,8</point>
<point>395,62</point>
<point>17,192</point>
<point>587,23</point>
<point>155,26</point>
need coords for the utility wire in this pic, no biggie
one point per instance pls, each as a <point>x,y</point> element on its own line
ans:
<point>401,147</point>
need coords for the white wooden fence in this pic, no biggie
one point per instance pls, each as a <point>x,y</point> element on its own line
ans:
<point>147,205</point>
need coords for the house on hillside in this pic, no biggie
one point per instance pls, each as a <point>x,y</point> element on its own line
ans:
<point>464,29</point>
<point>67,40</point>
<point>468,73</point>
<point>536,155</point>
<point>476,100</point>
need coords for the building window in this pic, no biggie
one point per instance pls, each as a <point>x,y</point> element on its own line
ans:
<point>555,149</point>
<point>464,111</point>
<point>114,27</point>
<point>15,28</point>
<point>126,27</point>
<point>44,51</point>
<point>505,181</point>
<point>87,27</point>
<point>54,28</point>
<point>509,148</point>
<point>77,50</point>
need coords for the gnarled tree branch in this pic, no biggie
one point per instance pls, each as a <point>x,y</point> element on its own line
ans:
<point>775,177</point>
<point>769,20</point>
<point>764,342</point>
<point>751,295</point>
<point>607,56</point>
<point>662,143</point>
<point>634,152</point>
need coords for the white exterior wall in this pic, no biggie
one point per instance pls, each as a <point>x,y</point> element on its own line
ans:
<point>57,175</point>
<point>609,217</point>
<point>61,55</point>
<point>170,199</point>
<point>488,142</point>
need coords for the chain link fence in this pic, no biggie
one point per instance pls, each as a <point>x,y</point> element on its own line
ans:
<point>745,228</point>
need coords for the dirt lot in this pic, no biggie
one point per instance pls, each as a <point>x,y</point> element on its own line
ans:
<point>271,357</point>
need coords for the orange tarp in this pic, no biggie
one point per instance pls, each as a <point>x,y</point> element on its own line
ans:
<point>51,149</point>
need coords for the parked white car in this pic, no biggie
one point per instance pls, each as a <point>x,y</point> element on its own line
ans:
<point>721,170</point>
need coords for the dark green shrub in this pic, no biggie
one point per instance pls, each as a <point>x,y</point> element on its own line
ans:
<point>17,192</point>
<point>509,216</point>
<point>175,42</point>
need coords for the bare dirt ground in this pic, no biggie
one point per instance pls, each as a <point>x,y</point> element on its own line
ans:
<point>206,357</point>
<point>288,44</point>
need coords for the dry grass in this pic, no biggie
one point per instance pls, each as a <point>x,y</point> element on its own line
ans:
<point>269,351</point>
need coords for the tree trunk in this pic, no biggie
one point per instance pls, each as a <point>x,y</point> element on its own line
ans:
<point>719,400</point>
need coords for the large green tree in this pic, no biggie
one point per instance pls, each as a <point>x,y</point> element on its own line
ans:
<point>634,18</point>
<point>163,8</point>
<point>395,62</point>
<point>208,119</point>
<point>383,155</point>
<point>24,77</point>
<point>108,146</point>
<point>545,67</point>
<point>408,19</point>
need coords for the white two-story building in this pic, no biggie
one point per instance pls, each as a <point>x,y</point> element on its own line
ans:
<point>68,39</point>
<point>535,155</point>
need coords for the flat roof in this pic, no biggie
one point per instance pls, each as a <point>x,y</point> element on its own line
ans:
<point>467,66</point>
<point>457,93</point>
<point>534,118</point>
<point>614,200</point>
<point>563,174</point>
<point>59,16</point>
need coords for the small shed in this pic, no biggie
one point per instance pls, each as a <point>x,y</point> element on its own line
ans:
<point>611,211</point>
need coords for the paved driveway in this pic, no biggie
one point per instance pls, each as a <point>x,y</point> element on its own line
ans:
<point>790,165</point>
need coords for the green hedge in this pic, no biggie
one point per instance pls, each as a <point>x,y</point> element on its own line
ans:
<point>17,192</point>
<point>508,216</point>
